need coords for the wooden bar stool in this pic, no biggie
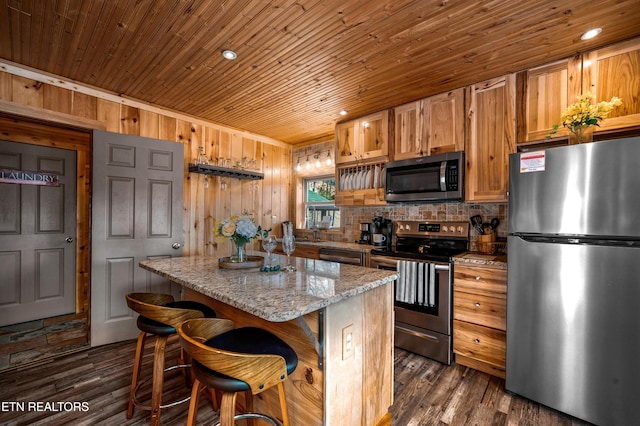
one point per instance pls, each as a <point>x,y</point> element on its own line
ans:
<point>160,314</point>
<point>247,359</point>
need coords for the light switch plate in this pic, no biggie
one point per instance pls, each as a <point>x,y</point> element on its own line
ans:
<point>347,342</point>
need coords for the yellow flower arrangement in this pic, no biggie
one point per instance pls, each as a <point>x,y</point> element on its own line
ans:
<point>583,114</point>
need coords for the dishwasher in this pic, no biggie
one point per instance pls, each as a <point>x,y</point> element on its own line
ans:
<point>350,257</point>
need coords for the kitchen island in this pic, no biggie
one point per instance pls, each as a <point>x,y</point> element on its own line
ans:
<point>337,317</point>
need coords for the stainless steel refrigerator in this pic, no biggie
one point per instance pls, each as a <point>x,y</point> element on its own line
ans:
<point>573,298</point>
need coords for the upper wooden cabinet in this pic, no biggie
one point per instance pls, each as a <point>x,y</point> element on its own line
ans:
<point>444,122</point>
<point>430,126</point>
<point>543,95</point>
<point>490,138</point>
<point>615,71</point>
<point>363,139</point>
<point>408,139</point>
<point>545,92</point>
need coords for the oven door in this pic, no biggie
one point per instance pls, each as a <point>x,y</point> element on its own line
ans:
<point>419,329</point>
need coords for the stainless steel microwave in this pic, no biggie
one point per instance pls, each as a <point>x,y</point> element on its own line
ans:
<point>426,179</point>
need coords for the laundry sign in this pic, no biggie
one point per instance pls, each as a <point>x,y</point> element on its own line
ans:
<point>28,178</point>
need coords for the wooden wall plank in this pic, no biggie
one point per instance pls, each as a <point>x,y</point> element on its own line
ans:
<point>109,113</point>
<point>57,99</point>
<point>85,106</point>
<point>149,124</point>
<point>6,86</point>
<point>27,92</point>
<point>130,120</point>
<point>168,128</point>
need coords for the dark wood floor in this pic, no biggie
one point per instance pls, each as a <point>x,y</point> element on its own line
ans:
<point>426,393</point>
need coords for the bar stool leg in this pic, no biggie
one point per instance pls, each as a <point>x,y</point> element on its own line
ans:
<point>248,406</point>
<point>185,359</point>
<point>137,363</point>
<point>158,379</point>
<point>283,405</point>
<point>193,404</point>
<point>227,408</point>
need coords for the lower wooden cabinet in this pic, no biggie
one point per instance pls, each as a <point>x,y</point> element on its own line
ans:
<point>479,318</point>
<point>302,250</point>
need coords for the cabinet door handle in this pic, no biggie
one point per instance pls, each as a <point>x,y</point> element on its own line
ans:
<point>478,278</point>
<point>477,304</point>
<point>476,340</point>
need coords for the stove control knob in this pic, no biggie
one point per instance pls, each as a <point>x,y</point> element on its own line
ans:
<point>460,229</point>
<point>453,229</point>
<point>407,227</point>
<point>445,229</point>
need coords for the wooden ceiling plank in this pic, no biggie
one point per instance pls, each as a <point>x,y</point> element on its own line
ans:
<point>84,16</point>
<point>250,75</point>
<point>250,78</point>
<point>299,61</point>
<point>179,57</point>
<point>231,18</point>
<point>194,85</point>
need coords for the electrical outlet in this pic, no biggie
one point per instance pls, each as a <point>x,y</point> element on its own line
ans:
<point>347,342</point>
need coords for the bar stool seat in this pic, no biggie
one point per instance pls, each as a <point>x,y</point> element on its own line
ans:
<point>160,329</point>
<point>159,315</point>
<point>228,360</point>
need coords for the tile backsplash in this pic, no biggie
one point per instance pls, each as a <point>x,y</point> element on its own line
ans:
<point>352,216</point>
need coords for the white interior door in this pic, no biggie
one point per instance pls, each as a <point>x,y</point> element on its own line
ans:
<point>136,215</point>
<point>37,234</point>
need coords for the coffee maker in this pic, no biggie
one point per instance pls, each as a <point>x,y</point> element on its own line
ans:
<point>365,233</point>
<point>381,230</point>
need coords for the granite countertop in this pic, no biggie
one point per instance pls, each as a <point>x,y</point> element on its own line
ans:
<point>273,296</point>
<point>481,259</point>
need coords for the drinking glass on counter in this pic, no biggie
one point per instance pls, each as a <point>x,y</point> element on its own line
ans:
<point>288,246</point>
<point>269,244</point>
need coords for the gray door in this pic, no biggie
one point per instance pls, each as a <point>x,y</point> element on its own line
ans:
<point>136,215</point>
<point>37,233</point>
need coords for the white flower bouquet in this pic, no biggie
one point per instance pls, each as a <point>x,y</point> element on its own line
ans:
<point>239,228</point>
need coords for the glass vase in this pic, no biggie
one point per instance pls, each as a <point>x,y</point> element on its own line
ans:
<point>239,253</point>
<point>581,134</point>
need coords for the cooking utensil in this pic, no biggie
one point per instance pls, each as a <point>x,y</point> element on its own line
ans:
<point>476,222</point>
<point>494,223</point>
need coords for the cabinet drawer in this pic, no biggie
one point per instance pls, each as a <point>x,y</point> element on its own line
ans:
<point>481,343</point>
<point>482,278</point>
<point>480,309</point>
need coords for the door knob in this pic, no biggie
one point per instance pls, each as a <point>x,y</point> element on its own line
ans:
<point>69,239</point>
<point>176,245</point>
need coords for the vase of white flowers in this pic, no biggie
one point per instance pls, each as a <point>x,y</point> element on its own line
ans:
<point>241,229</point>
<point>581,116</point>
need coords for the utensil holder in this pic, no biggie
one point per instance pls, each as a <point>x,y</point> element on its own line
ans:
<point>486,243</point>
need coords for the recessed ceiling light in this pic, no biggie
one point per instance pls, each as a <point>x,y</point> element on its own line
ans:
<point>591,33</point>
<point>343,112</point>
<point>229,54</point>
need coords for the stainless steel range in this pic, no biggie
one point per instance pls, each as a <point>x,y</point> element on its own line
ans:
<point>423,253</point>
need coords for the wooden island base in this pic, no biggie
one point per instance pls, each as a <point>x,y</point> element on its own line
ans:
<point>351,387</point>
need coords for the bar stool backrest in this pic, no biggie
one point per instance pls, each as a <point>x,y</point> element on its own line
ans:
<point>150,305</point>
<point>260,372</point>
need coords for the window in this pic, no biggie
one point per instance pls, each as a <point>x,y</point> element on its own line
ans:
<point>319,198</point>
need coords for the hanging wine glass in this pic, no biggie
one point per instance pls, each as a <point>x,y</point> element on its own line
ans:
<point>202,157</point>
